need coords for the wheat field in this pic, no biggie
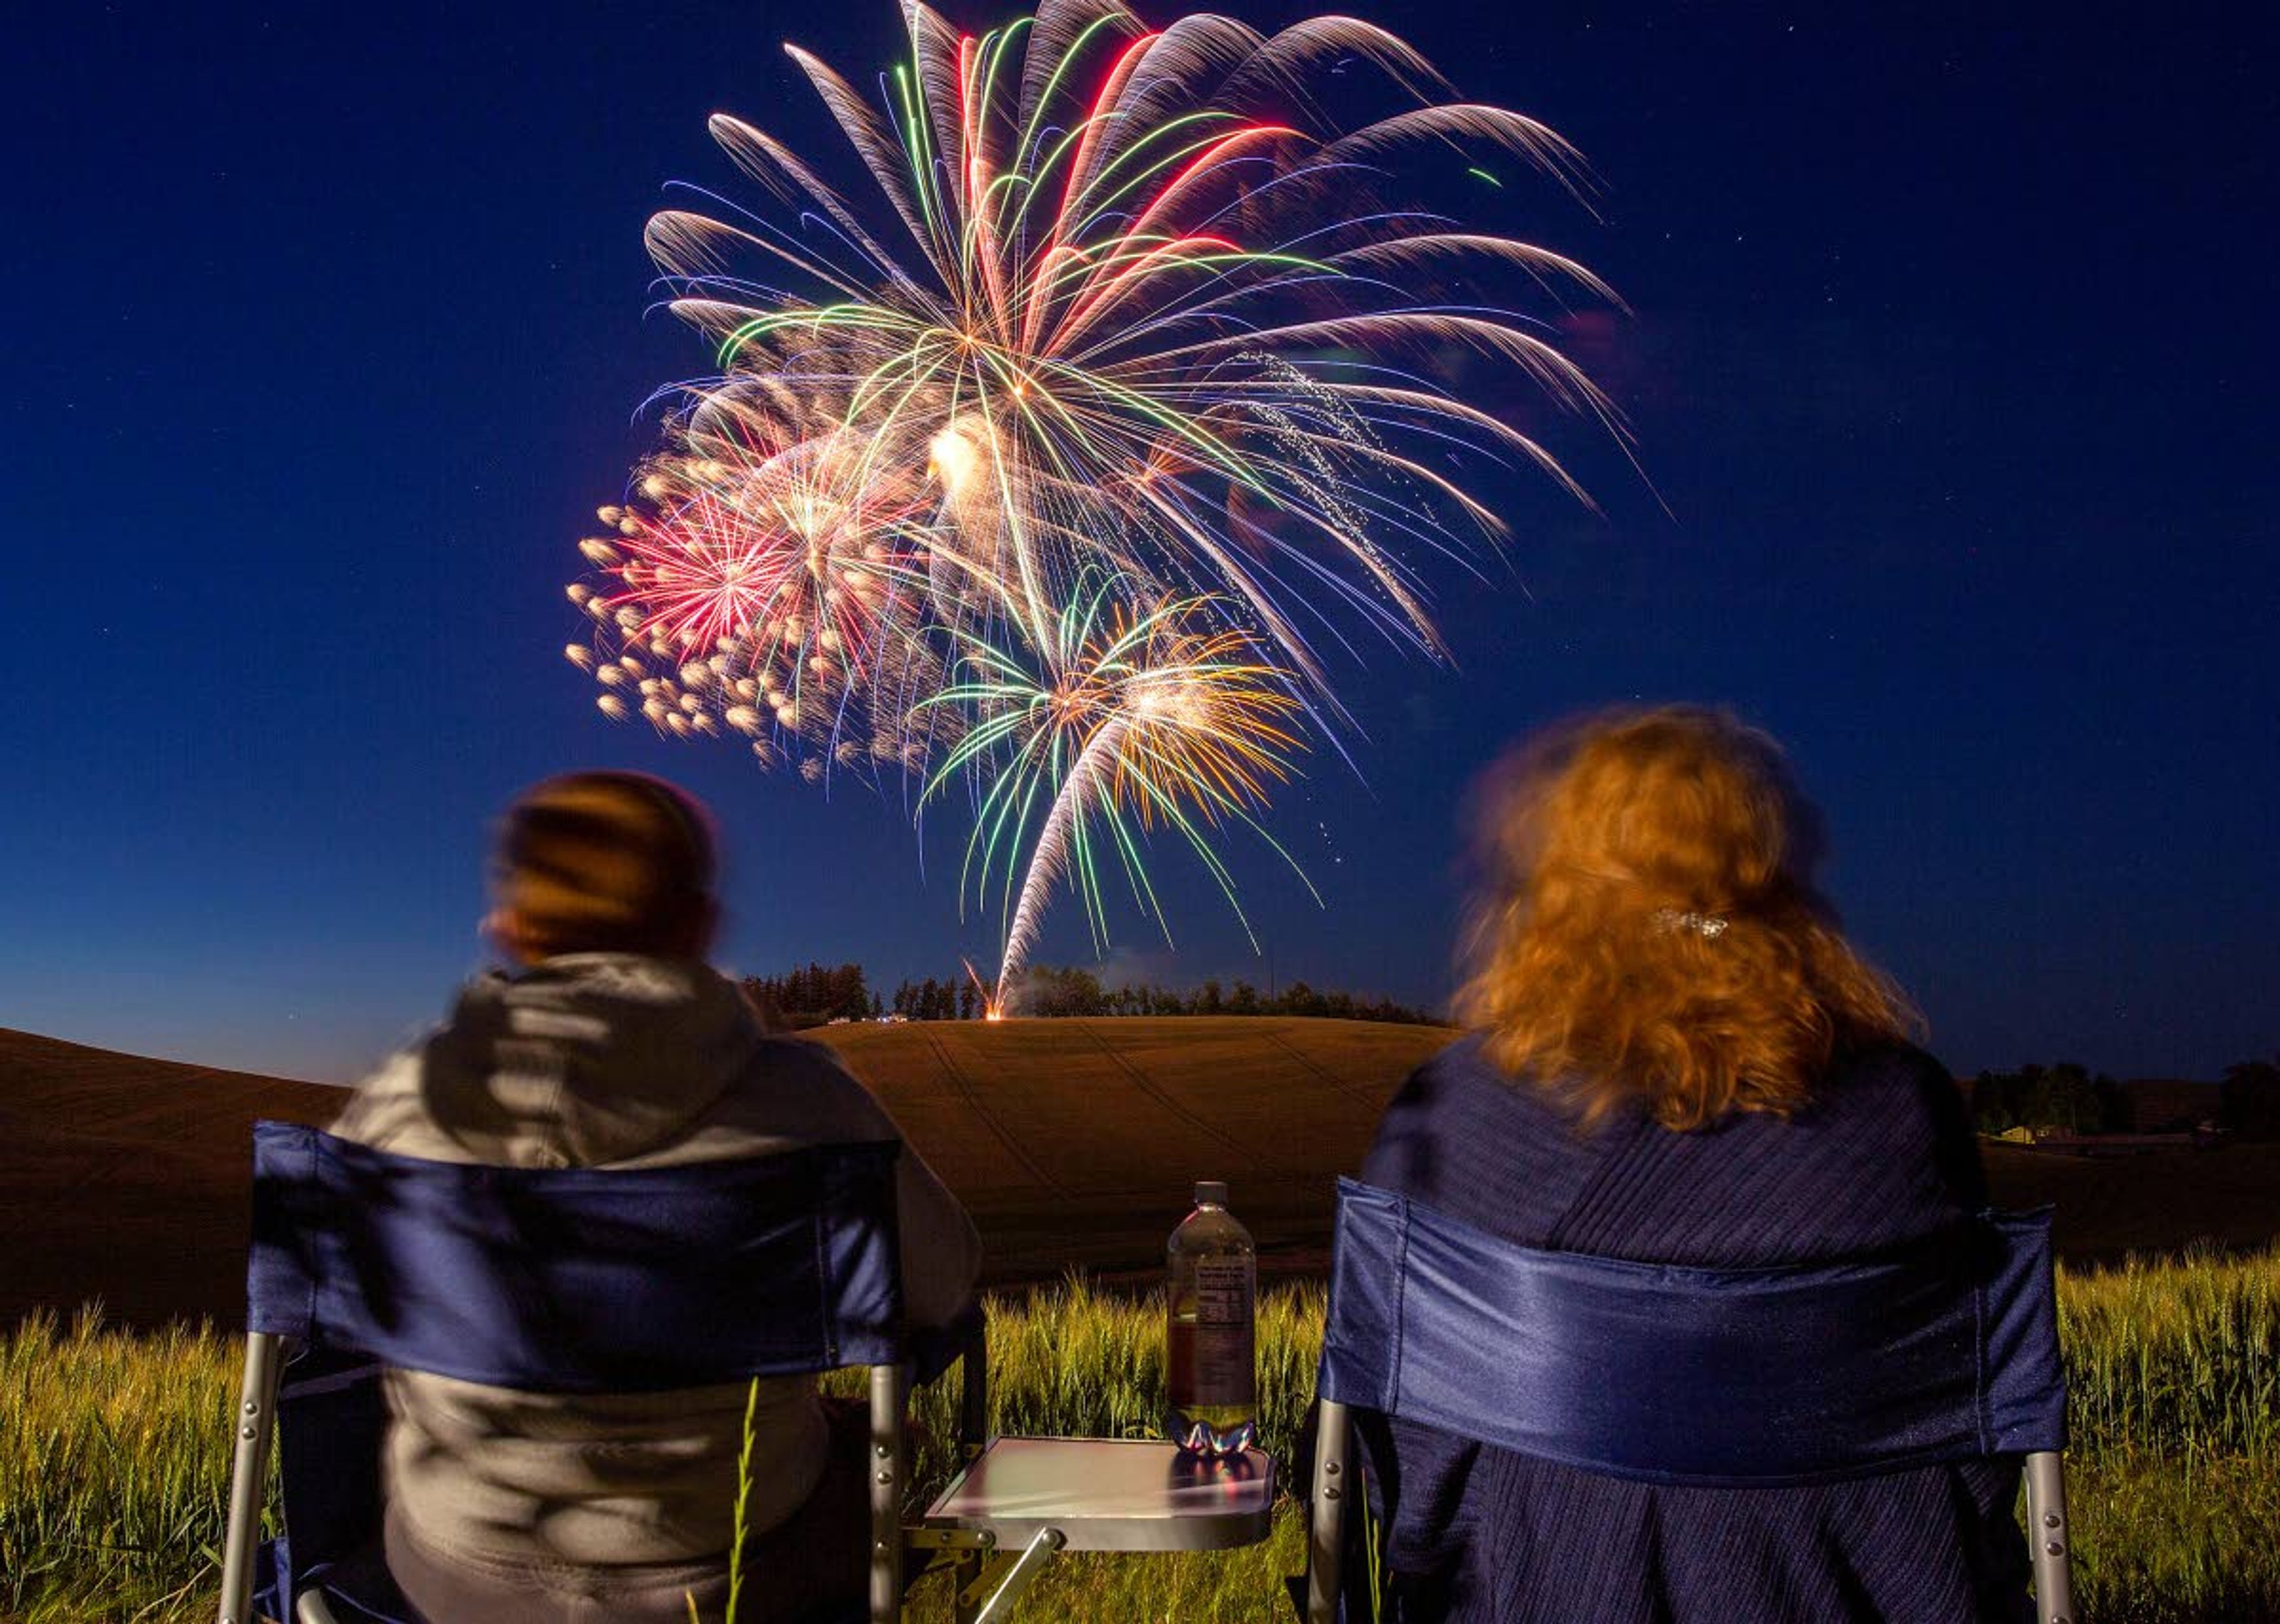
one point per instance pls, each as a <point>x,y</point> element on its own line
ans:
<point>114,1450</point>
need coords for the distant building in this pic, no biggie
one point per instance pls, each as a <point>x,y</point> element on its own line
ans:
<point>2207,1136</point>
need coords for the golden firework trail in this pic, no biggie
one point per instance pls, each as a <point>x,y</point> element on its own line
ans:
<point>1134,721</point>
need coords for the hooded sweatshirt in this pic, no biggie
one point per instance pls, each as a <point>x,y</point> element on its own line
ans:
<point>611,1059</point>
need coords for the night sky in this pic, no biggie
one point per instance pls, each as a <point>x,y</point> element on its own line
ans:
<point>1950,355</point>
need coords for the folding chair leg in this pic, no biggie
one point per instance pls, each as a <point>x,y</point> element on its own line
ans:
<point>1326,1519</point>
<point>2051,1538</point>
<point>249,1474</point>
<point>889,1392</point>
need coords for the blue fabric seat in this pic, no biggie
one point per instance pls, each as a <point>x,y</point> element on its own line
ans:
<point>571,1281</point>
<point>1724,1378</point>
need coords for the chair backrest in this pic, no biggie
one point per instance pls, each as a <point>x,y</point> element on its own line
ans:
<point>577,1279</point>
<point>1739,1378</point>
<point>543,1280</point>
<point>1733,1377</point>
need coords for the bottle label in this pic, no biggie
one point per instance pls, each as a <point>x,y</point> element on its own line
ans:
<point>1223,1368</point>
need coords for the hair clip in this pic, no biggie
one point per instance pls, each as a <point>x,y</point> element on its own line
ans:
<point>1705,925</point>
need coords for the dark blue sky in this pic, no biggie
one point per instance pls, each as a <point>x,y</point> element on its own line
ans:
<point>1952,358</point>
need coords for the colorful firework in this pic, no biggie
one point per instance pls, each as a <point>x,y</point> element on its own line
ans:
<point>776,566</point>
<point>1058,501</point>
<point>1142,291</point>
<point>1134,719</point>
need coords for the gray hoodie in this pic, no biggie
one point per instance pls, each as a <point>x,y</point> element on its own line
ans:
<point>608,1059</point>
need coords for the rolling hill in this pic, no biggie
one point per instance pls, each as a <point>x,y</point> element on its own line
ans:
<point>1078,1143</point>
<point>125,1178</point>
<point>1074,1142</point>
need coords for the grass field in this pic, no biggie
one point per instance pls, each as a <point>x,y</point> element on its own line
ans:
<point>113,1450</point>
<point>1073,1142</point>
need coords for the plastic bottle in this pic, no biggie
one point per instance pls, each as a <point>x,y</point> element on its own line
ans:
<point>1210,1379</point>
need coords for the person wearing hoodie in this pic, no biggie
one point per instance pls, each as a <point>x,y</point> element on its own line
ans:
<point>610,1043</point>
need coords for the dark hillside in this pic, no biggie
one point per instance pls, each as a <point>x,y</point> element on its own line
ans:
<point>124,1179</point>
<point>1074,1142</point>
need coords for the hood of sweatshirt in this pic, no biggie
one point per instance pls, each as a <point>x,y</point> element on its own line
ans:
<point>584,1058</point>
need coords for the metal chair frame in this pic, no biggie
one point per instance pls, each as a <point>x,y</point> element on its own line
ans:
<point>888,1471</point>
<point>986,1580</point>
<point>1334,1486</point>
<point>994,1542</point>
<point>888,1467</point>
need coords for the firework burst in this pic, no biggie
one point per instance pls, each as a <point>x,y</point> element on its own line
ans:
<point>1054,464</point>
<point>1134,721</point>
<point>779,566</point>
<point>1138,289</point>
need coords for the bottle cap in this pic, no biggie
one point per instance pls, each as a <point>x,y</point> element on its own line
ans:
<point>1211,1192</point>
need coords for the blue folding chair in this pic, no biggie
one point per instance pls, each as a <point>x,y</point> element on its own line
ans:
<point>565,1281</point>
<point>1740,1378</point>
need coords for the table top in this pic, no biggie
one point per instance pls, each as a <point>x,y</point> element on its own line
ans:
<point>1111,1494</point>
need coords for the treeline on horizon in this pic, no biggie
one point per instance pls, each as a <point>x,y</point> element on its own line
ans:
<point>2070,1098</point>
<point>821,994</point>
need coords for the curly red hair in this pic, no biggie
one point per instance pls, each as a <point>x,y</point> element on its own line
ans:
<point>1648,928</point>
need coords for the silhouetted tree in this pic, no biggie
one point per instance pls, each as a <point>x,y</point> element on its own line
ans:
<point>2250,1099</point>
<point>1995,1101</point>
<point>2065,1097</point>
<point>812,996</point>
<point>1051,991</point>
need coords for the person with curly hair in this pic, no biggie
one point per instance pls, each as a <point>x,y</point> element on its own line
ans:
<point>1676,1057</point>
